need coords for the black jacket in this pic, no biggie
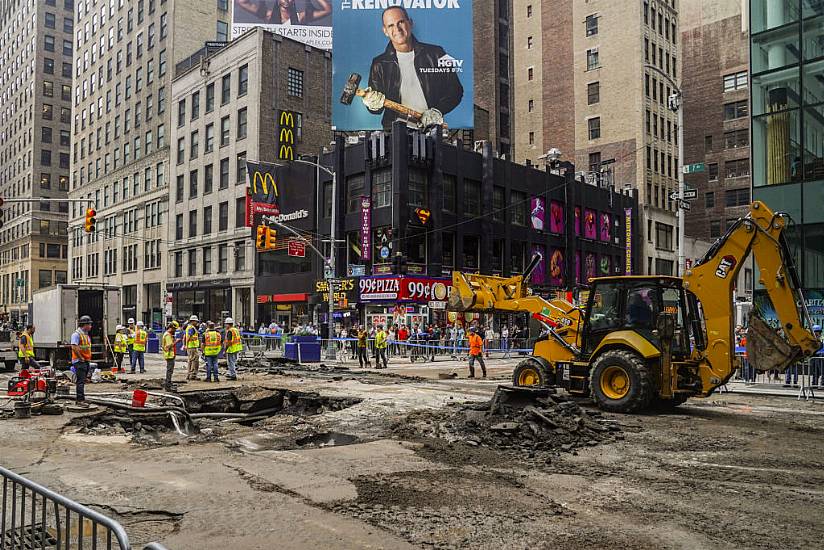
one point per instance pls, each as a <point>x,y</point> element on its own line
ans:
<point>442,90</point>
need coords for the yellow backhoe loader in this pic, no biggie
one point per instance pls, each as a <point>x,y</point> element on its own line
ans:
<point>654,340</point>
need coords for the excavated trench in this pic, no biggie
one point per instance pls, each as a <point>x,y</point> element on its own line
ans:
<point>205,410</point>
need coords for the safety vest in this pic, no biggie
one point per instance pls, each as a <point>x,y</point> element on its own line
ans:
<point>25,347</point>
<point>140,338</point>
<point>211,343</point>
<point>192,339</point>
<point>85,346</point>
<point>130,337</point>
<point>168,346</point>
<point>233,343</point>
<point>120,343</point>
<point>380,340</point>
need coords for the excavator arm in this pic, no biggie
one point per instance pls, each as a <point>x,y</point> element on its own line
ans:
<point>712,282</point>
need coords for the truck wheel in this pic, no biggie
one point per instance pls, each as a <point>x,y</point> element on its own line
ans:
<point>667,404</point>
<point>530,373</point>
<point>620,382</point>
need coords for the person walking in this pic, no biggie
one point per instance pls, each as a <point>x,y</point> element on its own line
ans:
<point>211,349</point>
<point>139,348</point>
<point>120,347</point>
<point>380,348</point>
<point>191,341</point>
<point>476,349</point>
<point>168,345</point>
<point>234,346</point>
<point>403,336</point>
<point>25,349</point>
<point>505,341</point>
<point>363,354</point>
<point>489,337</point>
<point>81,358</point>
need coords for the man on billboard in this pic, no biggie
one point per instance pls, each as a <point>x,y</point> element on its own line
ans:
<point>420,76</point>
<point>283,12</point>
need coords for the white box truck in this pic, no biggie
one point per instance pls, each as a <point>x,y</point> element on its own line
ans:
<point>55,312</point>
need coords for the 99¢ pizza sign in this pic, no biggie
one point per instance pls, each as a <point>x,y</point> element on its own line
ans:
<point>409,289</point>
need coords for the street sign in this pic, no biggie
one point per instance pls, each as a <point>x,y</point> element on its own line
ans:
<point>689,194</point>
<point>297,248</point>
<point>673,196</point>
<point>684,205</point>
<point>356,270</point>
<point>696,168</point>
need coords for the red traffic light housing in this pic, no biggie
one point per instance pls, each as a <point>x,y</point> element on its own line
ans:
<point>89,225</point>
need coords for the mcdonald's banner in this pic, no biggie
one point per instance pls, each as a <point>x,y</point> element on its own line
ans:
<point>264,185</point>
<point>287,130</point>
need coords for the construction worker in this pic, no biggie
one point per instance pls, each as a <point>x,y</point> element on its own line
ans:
<point>25,349</point>
<point>139,348</point>
<point>211,349</point>
<point>191,341</point>
<point>233,346</point>
<point>81,357</point>
<point>120,346</point>
<point>476,351</point>
<point>380,348</point>
<point>130,338</point>
<point>168,345</point>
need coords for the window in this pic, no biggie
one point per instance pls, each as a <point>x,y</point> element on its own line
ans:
<point>195,105</point>
<point>226,89</point>
<point>735,81</point>
<point>240,165</point>
<point>179,227</point>
<point>50,21</point>
<point>243,81</point>
<point>209,146</point>
<point>224,131</point>
<point>208,178</point>
<point>240,256</point>
<point>498,203</point>
<point>224,173</point>
<point>593,93</point>
<point>592,25</point>
<point>240,211</point>
<point>450,184</point>
<point>594,127</point>
<point>181,113</point>
<point>210,98</point>
<point>531,105</point>
<point>241,123</point>
<point>192,184</point>
<point>48,41</point>
<point>223,216</point>
<point>530,72</point>
<point>193,223</point>
<point>712,172</point>
<point>532,138</point>
<point>418,185</point>
<point>222,31</point>
<point>472,197</point>
<point>737,168</point>
<point>528,42</point>
<point>48,111</point>
<point>181,150</point>
<point>592,59</point>
<point>46,134</point>
<point>354,189</point>
<point>707,144</point>
<point>709,199</point>
<point>737,197</point>
<point>192,267</point>
<point>193,144</point>
<point>595,162</point>
<point>715,229</point>
<point>663,236</point>
<point>207,220</point>
<point>294,83</point>
<point>381,188</point>
<point>207,260</point>
<point>735,110</point>
<point>48,65</point>
<point>736,138</point>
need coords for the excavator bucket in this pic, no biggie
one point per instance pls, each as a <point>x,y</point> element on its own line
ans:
<point>767,349</point>
<point>459,302</point>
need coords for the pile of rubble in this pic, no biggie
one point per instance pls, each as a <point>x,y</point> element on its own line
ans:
<point>542,424</point>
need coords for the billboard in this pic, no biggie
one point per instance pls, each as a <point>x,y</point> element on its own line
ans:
<point>537,214</point>
<point>411,61</point>
<point>307,21</point>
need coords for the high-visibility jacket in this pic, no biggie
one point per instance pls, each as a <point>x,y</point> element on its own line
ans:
<point>140,338</point>
<point>380,340</point>
<point>25,346</point>
<point>191,337</point>
<point>168,346</point>
<point>130,336</point>
<point>233,343</point>
<point>85,348</point>
<point>476,344</point>
<point>211,343</point>
<point>120,343</point>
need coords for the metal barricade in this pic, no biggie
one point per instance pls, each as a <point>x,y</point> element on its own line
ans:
<point>33,516</point>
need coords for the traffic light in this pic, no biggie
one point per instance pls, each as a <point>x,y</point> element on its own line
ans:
<point>271,238</point>
<point>90,220</point>
<point>260,241</point>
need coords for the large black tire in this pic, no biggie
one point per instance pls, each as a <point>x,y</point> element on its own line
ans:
<point>668,404</point>
<point>530,372</point>
<point>620,382</point>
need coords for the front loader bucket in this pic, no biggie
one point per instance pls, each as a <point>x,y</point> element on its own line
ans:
<point>767,349</point>
<point>460,303</point>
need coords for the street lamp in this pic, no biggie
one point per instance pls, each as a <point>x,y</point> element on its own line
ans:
<point>329,262</point>
<point>675,103</point>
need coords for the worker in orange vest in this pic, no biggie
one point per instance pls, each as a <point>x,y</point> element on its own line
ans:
<point>81,358</point>
<point>476,352</point>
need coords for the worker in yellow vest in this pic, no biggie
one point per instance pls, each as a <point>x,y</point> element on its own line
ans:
<point>130,338</point>
<point>168,345</point>
<point>380,348</point>
<point>191,341</point>
<point>211,349</point>
<point>139,347</point>
<point>120,347</point>
<point>233,346</point>
<point>25,349</point>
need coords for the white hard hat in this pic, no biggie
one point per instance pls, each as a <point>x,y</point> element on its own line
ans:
<point>229,321</point>
<point>140,323</point>
<point>194,318</point>
<point>131,320</point>
<point>118,327</point>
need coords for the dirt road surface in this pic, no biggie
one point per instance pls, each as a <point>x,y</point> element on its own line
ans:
<point>732,471</point>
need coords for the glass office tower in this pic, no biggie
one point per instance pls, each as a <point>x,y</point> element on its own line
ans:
<point>787,110</point>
